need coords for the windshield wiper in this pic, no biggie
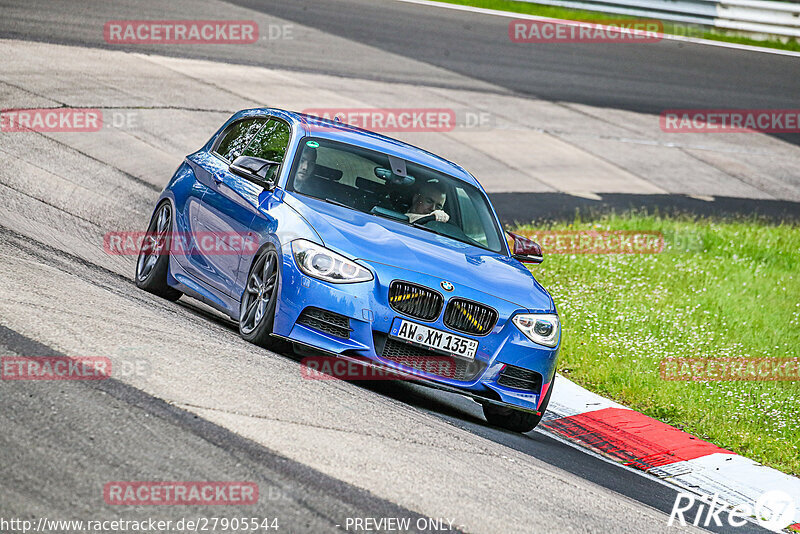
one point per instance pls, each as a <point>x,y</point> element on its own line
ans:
<point>468,241</point>
<point>337,203</point>
<point>389,214</point>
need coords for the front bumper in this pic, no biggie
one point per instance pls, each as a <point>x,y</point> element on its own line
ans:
<point>370,319</point>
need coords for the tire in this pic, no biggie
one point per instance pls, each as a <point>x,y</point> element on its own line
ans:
<point>152,264</point>
<point>257,307</point>
<point>516,420</point>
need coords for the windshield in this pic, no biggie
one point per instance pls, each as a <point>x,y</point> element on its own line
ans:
<point>384,186</point>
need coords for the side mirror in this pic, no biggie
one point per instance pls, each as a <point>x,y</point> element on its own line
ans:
<point>256,170</point>
<point>526,250</point>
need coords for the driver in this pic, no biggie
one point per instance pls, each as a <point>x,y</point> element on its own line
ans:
<point>305,169</point>
<point>429,200</point>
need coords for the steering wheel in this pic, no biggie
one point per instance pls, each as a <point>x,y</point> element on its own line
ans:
<point>425,220</point>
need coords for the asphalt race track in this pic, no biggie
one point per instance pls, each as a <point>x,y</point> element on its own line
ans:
<point>670,74</point>
<point>64,424</point>
<point>194,401</point>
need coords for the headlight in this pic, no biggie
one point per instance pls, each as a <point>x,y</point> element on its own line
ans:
<point>544,328</point>
<point>319,262</point>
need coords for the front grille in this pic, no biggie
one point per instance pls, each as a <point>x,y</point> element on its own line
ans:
<point>519,378</point>
<point>326,321</point>
<point>416,301</point>
<point>431,362</point>
<point>469,317</point>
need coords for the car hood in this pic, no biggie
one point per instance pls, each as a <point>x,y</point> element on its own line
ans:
<point>379,240</point>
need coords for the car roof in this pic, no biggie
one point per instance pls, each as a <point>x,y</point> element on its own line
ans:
<point>310,125</point>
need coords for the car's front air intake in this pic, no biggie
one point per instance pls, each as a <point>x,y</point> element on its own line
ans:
<point>469,317</point>
<point>431,362</point>
<point>416,301</point>
<point>519,378</point>
<point>326,321</point>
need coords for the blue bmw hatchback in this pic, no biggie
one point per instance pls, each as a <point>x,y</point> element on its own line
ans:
<point>362,247</point>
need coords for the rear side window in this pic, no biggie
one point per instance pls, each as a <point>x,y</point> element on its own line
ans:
<point>270,142</point>
<point>237,136</point>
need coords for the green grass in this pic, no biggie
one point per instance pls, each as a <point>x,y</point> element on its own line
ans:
<point>593,16</point>
<point>719,289</point>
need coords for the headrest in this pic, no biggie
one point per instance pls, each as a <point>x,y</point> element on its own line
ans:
<point>334,175</point>
<point>367,185</point>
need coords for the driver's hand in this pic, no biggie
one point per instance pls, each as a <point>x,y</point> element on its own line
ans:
<point>441,216</point>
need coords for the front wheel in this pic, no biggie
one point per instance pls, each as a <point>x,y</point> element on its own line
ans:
<point>516,420</point>
<point>152,265</point>
<point>257,308</point>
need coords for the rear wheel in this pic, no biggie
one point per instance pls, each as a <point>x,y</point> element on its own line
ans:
<point>257,309</point>
<point>516,420</point>
<point>152,266</point>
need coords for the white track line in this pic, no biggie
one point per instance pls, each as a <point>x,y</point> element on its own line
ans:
<point>734,478</point>
<point>666,36</point>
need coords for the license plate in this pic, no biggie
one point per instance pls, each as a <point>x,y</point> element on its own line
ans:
<point>431,338</point>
